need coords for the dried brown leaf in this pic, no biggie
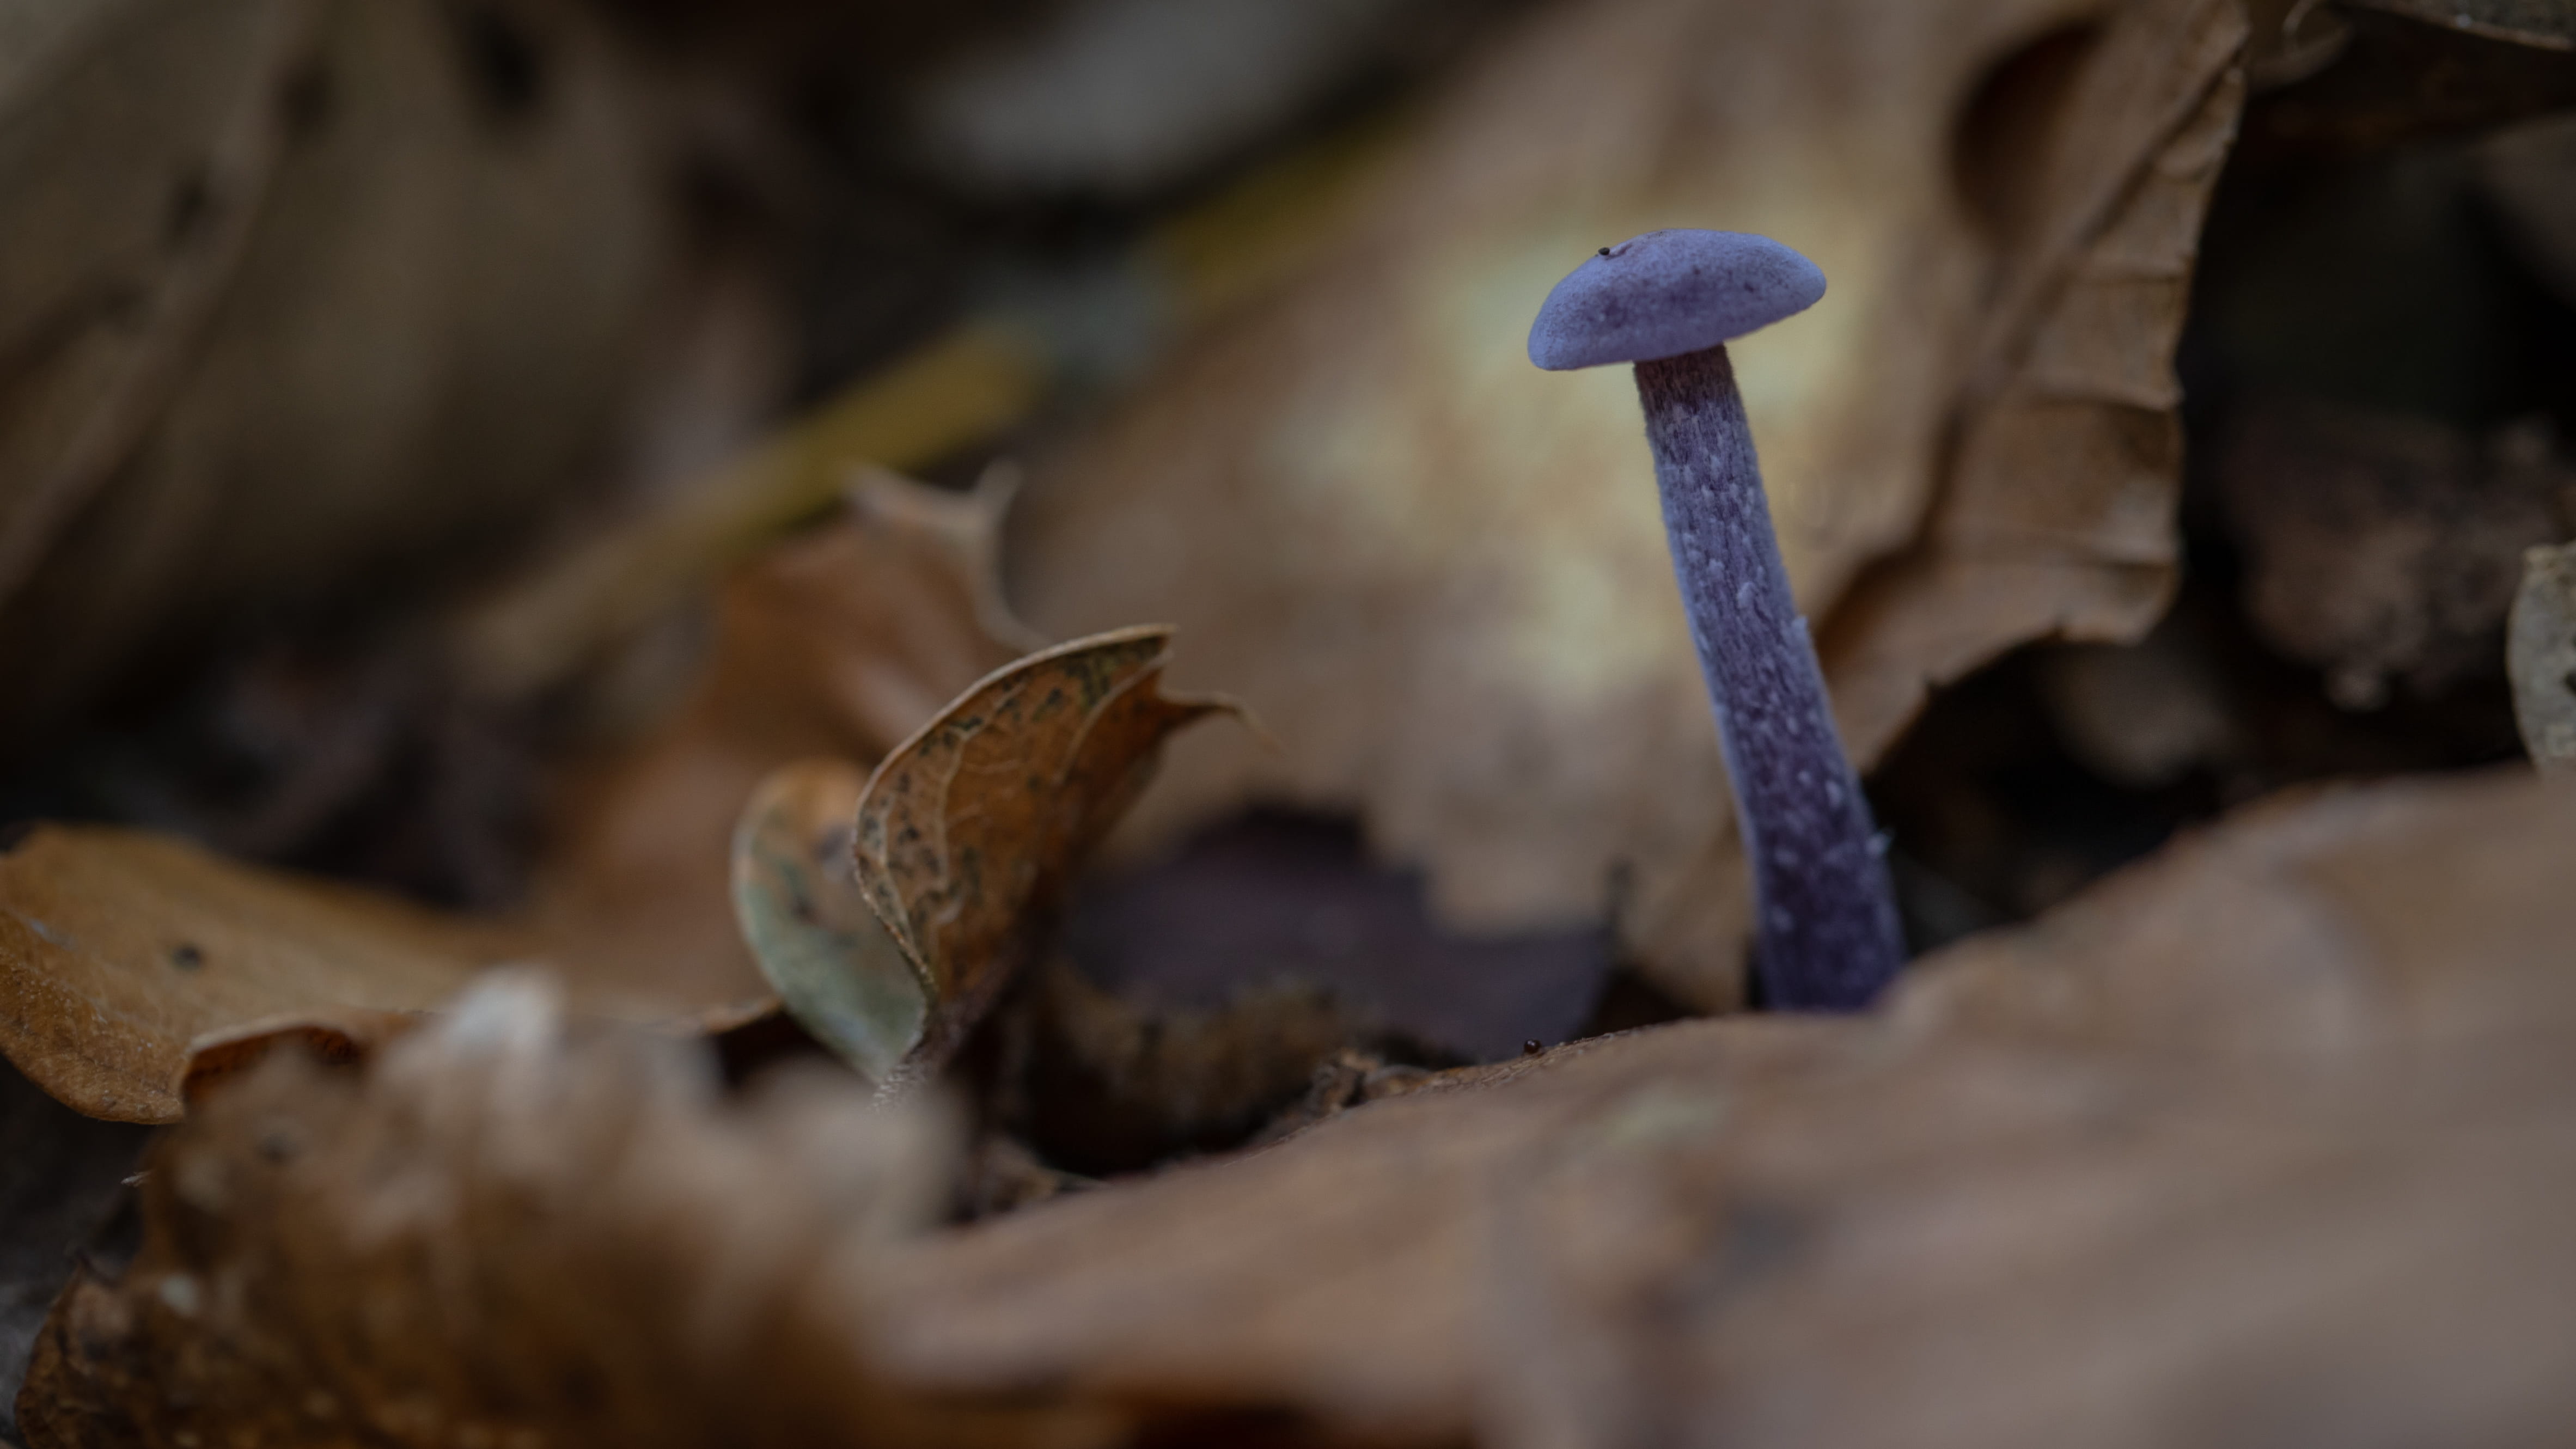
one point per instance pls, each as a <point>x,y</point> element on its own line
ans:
<point>2262,1142</point>
<point>969,831</point>
<point>121,951</point>
<point>838,643</point>
<point>1441,574</point>
<point>511,1234</point>
<point>2055,515</point>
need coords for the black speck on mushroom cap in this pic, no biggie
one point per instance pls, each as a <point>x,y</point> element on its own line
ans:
<point>1667,293</point>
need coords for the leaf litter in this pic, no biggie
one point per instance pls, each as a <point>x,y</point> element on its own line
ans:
<point>2193,1135</point>
<point>2280,1080</point>
<point>130,957</point>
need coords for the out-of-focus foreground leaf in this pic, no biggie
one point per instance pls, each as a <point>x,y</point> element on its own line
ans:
<point>2262,1141</point>
<point>1441,574</point>
<point>509,1235</point>
<point>969,832</point>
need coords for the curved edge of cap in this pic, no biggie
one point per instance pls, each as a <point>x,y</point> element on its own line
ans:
<point>1670,292</point>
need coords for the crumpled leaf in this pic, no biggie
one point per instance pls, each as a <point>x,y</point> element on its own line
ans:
<point>2540,654</point>
<point>509,1232</point>
<point>795,895</point>
<point>1441,574</point>
<point>2056,513</point>
<point>2264,1140</point>
<point>837,642</point>
<point>969,831</point>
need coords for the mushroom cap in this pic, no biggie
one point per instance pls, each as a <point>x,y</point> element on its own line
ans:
<point>1667,293</point>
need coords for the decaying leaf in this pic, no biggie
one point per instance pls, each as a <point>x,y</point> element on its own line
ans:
<point>970,830</point>
<point>837,642</point>
<point>2262,1142</point>
<point>2540,654</point>
<point>1441,574</point>
<point>510,1233</point>
<point>810,930</point>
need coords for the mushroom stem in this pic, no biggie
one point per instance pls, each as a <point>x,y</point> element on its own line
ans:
<point>1829,936</point>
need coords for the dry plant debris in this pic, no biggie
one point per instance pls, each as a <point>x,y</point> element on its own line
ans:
<point>2264,1141</point>
<point>837,642</point>
<point>1402,545</point>
<point>970,831</point>
<point>515,1234</point>
<point>134,962</point>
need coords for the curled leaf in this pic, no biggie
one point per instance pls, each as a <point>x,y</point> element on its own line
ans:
<point>836,643</point>
<point>798,904</point>
<point>969,830</point>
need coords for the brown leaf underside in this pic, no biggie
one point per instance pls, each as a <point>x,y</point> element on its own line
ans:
<point>970,830</point>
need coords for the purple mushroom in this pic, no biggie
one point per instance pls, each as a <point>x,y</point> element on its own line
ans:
<point>1669,301</point>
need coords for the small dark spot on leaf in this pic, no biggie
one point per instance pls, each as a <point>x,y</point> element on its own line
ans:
<point>192,202</point>
<point>280,1141</point>
<point>186,956</point>
<point>503,62</point>
<point>307,99</point>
